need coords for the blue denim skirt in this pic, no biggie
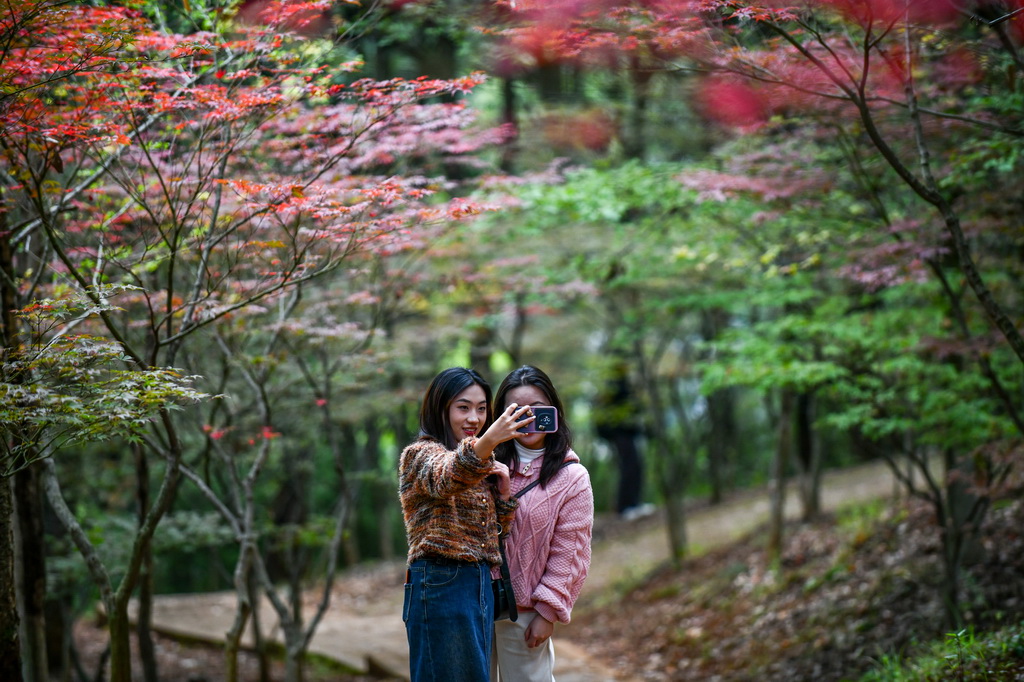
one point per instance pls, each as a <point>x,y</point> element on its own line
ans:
<point>448,620</point>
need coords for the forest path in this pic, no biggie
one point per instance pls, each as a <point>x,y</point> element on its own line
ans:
<point>363,627</point>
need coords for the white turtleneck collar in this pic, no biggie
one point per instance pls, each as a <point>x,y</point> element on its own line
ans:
<point>527,456</point>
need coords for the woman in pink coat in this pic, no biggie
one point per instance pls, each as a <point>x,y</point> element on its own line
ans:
<point>548,546</point>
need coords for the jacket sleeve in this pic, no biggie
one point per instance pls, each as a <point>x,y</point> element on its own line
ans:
<point>569,558</point>
<point>506,510</point>
<point>440,473</point>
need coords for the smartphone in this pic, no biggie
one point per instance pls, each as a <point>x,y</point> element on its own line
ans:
<point>546,420</point>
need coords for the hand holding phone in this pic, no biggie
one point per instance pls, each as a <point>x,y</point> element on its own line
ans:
<point>545,420</point>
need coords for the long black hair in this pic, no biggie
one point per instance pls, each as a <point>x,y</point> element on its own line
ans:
<point>557,444</point>
<point>443,390</point>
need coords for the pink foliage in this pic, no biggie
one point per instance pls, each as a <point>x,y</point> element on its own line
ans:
<point>887,12</point>
<point>732,102</point>
<point>720,186</point>
<point>300,17</point>
<point>944,349</point>
<point>209,163</point>
<point>894,262</point>
<point>1016,25</point>
<point>592,130</point>
<point>957,69</point>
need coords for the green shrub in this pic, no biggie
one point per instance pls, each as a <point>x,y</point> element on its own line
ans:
<point>966,655</point>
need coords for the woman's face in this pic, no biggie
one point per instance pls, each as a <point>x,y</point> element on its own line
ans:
<point>532,396</point>
<point>467,415</point>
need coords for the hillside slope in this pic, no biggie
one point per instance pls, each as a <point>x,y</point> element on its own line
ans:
<point>847,593</point>
<point>851,591</point>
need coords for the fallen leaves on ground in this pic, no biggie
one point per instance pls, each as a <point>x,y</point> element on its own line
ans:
<point>844,594</point>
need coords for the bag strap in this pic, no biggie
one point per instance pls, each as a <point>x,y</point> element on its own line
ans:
<point>506,577</point>
<point>528,487</point>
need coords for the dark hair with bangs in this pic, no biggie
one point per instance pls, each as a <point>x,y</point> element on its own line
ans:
<point>442,391</point>
<point>556,444</point>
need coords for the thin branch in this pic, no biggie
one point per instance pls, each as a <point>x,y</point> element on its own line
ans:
<point>78,536</point>
<point>1014,132</point>
<point>72,194</point>
<point>165,496</point>
<point>192,475</point>
<point>924,156</point>
<point>994,22</point>
<point>333,551</point>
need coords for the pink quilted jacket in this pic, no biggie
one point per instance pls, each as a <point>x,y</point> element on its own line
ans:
<point>548,548</point>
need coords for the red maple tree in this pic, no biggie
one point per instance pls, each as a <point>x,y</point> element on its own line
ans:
<point>181,182</point>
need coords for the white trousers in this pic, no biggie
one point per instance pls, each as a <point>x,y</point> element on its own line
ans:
<point>511,661</point>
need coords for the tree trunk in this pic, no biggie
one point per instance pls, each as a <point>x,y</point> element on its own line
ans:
<point>233,637</point>
<point>721,440</point>
<point>10,653</point>
<point>58,637</point>
<point>383,493</point>
<point>964,511</point>
<point>510,117</point>
<point>515,345</point>
<point>676,470</point>
<point>996,313</point>
<point>290,510</point>
<point>233,645</point>
<point>952,544</point>
<point>629,492</point>
<point>30,571</point>
<point>259,641</point>
<point>10,648</point>
<point>673,480</point>
<point>346,443</point>
<point>721,443</point>
<point>116,602</point>
<point>950,590</point>
<point>120,643</point>
<point>784,444</point>
<point>481,348</point>
<point>672,465</point>
<point>550,83</point>
<point>294,670</point>
<point>439,59</point>
<point>640,79</point>
<point>808,457</point>
<point>675,516</point>
<point>144,617</point>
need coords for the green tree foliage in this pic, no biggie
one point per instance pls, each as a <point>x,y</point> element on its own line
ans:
<point>62,389</point>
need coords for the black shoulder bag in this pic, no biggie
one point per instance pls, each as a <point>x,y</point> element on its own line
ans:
<point>504,596</point>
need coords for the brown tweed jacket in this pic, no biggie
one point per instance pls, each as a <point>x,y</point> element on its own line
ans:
<point>448,505</point>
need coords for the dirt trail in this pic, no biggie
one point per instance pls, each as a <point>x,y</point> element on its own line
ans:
<point>363,628</point>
